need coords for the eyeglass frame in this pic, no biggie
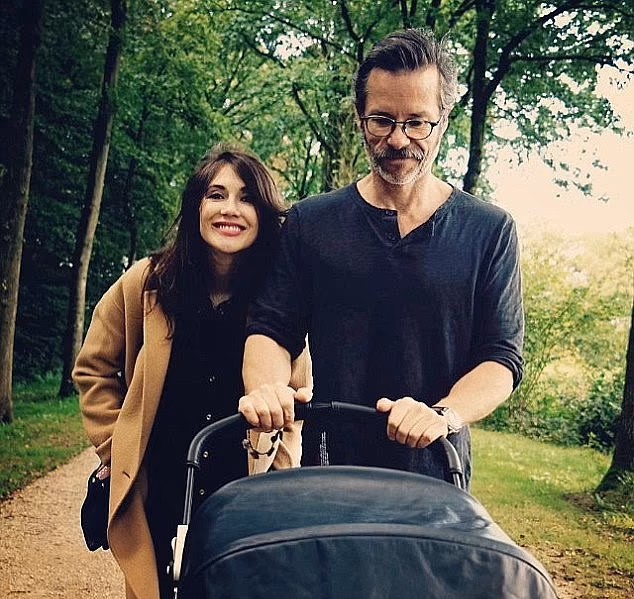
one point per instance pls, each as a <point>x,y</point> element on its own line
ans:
<point>403,125</point>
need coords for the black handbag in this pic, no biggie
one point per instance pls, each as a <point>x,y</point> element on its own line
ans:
<point>94,512</point>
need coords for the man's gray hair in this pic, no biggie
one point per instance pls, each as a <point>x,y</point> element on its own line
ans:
<point>409,50</point>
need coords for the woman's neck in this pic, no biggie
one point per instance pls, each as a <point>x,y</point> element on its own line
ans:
<point>222,280</point>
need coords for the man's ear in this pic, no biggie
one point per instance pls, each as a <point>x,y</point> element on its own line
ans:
<point>444,123</point>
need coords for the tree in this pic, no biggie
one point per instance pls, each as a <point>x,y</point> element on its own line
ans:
<point>69,74</point>
<point>15,187</point>
<point>503,48</point>
<point>170,98</point>
<point>623,458</point>
<point>577,313</point>
<point>515,45</point>
<point>94,191</point>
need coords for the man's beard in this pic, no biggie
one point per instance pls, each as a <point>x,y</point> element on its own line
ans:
<point>376,159</point>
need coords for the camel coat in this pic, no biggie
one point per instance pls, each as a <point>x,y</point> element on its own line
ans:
<point>119,373</point>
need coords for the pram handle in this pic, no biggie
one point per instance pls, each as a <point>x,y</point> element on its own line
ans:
<point>302,412</point>
<point>454,465</point>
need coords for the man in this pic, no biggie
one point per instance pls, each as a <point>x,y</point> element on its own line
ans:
<point>408,288</point>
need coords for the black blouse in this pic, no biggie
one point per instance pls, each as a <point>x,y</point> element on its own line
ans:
<point>203,384</point>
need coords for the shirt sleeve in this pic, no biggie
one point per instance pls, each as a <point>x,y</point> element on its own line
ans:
<point>499,318</point>
<point>279,310</point>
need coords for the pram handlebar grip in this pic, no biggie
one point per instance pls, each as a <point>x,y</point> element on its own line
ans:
<point>302,412</point>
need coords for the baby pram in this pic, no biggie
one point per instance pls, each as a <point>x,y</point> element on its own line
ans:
<point>347,532</point>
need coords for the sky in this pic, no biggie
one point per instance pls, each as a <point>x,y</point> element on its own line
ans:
<point>528,192</point>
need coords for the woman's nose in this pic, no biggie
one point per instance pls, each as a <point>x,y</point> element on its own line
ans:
<point>230,206</point>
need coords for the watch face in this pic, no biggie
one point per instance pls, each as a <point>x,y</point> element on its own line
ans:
<point>454,422</point>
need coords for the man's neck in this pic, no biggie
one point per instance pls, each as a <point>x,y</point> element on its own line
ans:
<point>415,203</point>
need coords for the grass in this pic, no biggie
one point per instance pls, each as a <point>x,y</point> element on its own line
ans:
<point>46,432</point>
<point>543,497</point>
<point>540,494</point>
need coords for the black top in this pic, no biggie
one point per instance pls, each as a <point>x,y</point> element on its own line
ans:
<point>389,316</point>
<point>203,384</point>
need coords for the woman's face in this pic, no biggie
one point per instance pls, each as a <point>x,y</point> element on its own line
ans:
<point>228,218</point>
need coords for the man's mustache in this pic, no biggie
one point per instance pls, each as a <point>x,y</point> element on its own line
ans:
<point>405,153</point>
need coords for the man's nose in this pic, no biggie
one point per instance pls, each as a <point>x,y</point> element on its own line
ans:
<point>397,139</point>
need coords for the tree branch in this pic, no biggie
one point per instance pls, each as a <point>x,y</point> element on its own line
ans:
<point>345,15</point>
<point>267,55</point>
<point>290,25</point>
<point>311,122</point>
<point>465,7</point>
<point>504,63</point>
<point>432,14</point>
<point>596,59</point>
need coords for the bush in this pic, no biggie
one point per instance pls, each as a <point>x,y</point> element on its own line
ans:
<point>558,415</point>
<point>596,418</point>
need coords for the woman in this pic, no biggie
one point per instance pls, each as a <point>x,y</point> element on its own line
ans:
<point>162,358</point>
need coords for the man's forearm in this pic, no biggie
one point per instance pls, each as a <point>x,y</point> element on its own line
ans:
<point>480,391</point>
<point>265,362</point>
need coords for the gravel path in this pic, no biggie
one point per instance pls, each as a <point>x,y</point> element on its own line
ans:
<point>42,550</point>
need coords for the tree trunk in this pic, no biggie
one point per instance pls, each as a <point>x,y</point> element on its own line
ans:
<point>480,94</point>
<point>127,199</point>
<point>432,14</point>
<point>94,191</point>
<point>15,193</point>
<point>623,458</point>
<point>130,213</point>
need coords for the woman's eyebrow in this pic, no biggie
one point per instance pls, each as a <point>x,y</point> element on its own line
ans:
<point>243,189</point>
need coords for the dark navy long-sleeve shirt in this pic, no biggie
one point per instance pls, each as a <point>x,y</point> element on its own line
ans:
<point>388,316</point>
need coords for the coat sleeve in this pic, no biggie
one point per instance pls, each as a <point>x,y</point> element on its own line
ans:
<point>100,368</point>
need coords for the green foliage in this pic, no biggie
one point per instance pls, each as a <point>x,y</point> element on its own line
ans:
<point>577,318</point>
<point>68,76</point>
<point>597,416</point>
<point>276,77</point>
<point>45,433</point>
<point>168,116</point>
<point>549,69</point>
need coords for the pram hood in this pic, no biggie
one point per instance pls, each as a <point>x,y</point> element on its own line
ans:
<point>352,532</point>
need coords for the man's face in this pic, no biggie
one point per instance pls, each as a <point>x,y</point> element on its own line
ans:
<point>401,96</point>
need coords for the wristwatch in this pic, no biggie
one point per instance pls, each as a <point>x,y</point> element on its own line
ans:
<point>454,422</point>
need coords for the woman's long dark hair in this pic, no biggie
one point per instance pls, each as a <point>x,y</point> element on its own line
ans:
<point>180,272</point>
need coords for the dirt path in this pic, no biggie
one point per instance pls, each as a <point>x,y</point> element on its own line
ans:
<point>42,551</point>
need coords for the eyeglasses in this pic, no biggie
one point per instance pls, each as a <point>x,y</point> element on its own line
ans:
<point>383,126</point>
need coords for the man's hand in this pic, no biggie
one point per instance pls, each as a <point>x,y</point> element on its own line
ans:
<point>411,422</point>
<point>271,407</point>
